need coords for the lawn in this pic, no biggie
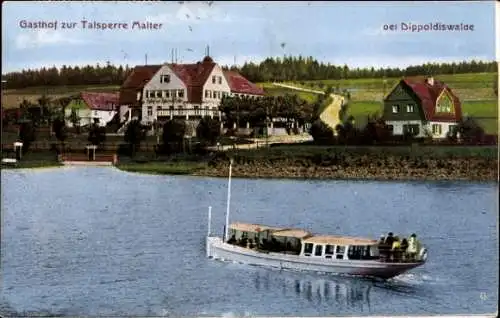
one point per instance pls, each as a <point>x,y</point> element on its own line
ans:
<point>32,159</point>
<point>163,167</point>
<point>272,90</point>
<point>11,98</point>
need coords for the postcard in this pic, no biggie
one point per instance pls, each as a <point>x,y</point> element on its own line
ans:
<point>249,158</point>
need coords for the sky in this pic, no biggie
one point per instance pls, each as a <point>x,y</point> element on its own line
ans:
<point>349,33</point>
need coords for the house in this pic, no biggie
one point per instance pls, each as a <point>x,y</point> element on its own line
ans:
<point>130,101</point>
<point>422,108</point>
<point>89,106</point>
<point>187,91</point>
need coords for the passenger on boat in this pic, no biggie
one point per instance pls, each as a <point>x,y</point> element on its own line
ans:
<point>389,239</point>
<point>404,247</point>
<point>383,248</point>
<point>413,247</point>
<point>250,244</point>
<point>243,242</point>
<point>396,245</point>
<point>232,240</point>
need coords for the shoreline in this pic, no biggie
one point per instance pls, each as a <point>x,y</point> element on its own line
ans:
<point>37,166</point>
<point>311,173</point>
<point>292,173</point>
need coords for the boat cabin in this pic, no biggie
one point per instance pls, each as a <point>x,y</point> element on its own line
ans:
<point>339,247</point>
<point>250,235</point>
<point>288,241</point>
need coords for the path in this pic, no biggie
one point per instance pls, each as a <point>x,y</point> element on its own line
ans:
<point>330,115</point>
<point>261,142</point>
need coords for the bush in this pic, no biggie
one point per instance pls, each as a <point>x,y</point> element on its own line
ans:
<point>124,150</point>
<point>321,133</point>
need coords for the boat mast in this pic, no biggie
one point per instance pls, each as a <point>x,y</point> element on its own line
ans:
<point>209,220</point>
<point>226,234</point>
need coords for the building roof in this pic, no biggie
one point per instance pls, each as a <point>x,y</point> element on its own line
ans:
<point>339,240</point>
<point>241,85</point>
<point>428,95</point>
<point>139,77</point>
<point>194,76</point>
<point>101,101</point>
<point>297,233</point>
<point>248,227</point>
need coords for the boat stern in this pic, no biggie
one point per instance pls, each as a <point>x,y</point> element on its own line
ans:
<point>210,242</point>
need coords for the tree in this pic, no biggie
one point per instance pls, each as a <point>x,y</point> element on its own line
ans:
<point>174,131</point>
<point>43,103</point>
<point>208,130</point>
<point>321,133</point>
<point>135,133</point>
<point>470,131</point>
<point>60,130</point>
<point>26,134</point>
<point>74,118</point>
<point>97,134</point>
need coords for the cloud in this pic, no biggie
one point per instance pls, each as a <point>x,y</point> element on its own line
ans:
<point>43,38</point>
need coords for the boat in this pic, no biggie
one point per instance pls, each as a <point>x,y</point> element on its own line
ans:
<point>301,250</point>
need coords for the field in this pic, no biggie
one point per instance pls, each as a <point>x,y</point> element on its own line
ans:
<point>272,90</point>
<point>473,86</point>
<point>11,98</point>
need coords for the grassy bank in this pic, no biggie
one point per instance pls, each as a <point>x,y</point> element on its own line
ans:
<point>172,168</point>
<point>32,160</point>
<point>338,162</point>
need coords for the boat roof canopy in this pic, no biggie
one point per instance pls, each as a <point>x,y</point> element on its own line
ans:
<point>339,240</point>
<point>297,233</point>
<point>254,228</point>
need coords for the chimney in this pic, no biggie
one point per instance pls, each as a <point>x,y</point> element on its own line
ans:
<point>430,80</point>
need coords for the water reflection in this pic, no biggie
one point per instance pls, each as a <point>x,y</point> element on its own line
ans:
<point>339,291</point>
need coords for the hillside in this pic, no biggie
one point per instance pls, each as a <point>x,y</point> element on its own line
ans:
<point>11,98</point>
<point>474,89</point>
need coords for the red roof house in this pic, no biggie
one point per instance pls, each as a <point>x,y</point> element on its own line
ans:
<point>422,106</point>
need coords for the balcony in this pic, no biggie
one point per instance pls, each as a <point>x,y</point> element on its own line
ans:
<point>188,112</point>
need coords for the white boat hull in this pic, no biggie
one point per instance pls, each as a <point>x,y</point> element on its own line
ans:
<point>217,249</point>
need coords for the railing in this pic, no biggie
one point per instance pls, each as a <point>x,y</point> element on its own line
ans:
<point>188,112</point>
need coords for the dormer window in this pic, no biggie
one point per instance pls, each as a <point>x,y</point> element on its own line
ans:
<point>165,78</point>
<point>395,109</point>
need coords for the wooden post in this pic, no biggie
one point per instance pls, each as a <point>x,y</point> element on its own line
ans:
<point>18,147</point>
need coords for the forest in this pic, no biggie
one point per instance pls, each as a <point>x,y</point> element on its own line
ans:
<point>271,69</point>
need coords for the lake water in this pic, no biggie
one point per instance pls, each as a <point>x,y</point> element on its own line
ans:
<point>98,241</point>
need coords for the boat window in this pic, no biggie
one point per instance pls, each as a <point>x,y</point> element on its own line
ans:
<point>340,252</point>
<point>319,250</point>
<point>308,249</point>
<point>329,250</point>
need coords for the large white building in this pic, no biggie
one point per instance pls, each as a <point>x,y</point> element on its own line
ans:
<point>189,91</point>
